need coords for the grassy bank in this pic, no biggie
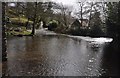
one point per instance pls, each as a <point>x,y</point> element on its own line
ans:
<point>18,33</point>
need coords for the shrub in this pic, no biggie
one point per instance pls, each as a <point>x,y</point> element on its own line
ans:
<point>96,31</point>
<point>52,25</point>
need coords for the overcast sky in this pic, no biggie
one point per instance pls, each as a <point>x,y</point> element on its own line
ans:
<point>66,2</point>
<point>72,3</point>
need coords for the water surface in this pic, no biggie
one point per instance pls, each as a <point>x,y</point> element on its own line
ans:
<point>58,55</point>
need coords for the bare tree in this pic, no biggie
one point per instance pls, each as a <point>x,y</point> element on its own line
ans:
<point>91,6</point>
<point>81,12</point>
<point>34,18</point>
<point>65,14</point>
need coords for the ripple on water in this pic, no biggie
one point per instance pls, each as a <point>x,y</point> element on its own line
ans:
<point>56,61</point>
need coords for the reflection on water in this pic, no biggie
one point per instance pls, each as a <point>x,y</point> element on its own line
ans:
<point>57,56</point>
<point>110,60</point>
<point>100,40</point>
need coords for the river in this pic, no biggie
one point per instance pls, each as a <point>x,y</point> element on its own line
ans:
<point>50,54</point>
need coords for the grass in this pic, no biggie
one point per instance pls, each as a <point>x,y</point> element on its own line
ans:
<point>21,20</point>
<point>13,33</point>
<point>16,22</point>
<point>21,33</point>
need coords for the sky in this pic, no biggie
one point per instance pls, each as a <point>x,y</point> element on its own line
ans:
<point>72,3</point>
<point>66,2</point>
<point>11,4</point>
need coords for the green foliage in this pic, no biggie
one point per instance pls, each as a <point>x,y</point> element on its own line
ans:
<point>52,25</point>
<point>53,21</point>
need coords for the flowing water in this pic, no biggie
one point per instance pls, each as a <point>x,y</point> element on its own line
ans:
<point>50,54</point>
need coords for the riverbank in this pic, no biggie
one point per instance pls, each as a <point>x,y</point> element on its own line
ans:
<point>18,33</point>
<point>99,40</point>
<point>47,32</point>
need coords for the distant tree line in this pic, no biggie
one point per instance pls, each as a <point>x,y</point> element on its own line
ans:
<point>113,20</point>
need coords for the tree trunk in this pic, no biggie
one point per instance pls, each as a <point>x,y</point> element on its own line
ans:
<point>18,5</point>
<point>65,20</point>
<point>81,16</point>
<point>27,22</point>
<point>34,19</point>
<point>4,53</point>
<point>90,15</point>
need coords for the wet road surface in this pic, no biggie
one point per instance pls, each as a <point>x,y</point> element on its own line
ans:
<point>57,55</point>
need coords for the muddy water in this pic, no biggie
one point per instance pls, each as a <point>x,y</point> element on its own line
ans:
<point>55,55</point>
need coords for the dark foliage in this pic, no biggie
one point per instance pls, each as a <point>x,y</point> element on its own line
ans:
<point>113,21</point>
<point>52,26</point>
<point>96,31</point>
